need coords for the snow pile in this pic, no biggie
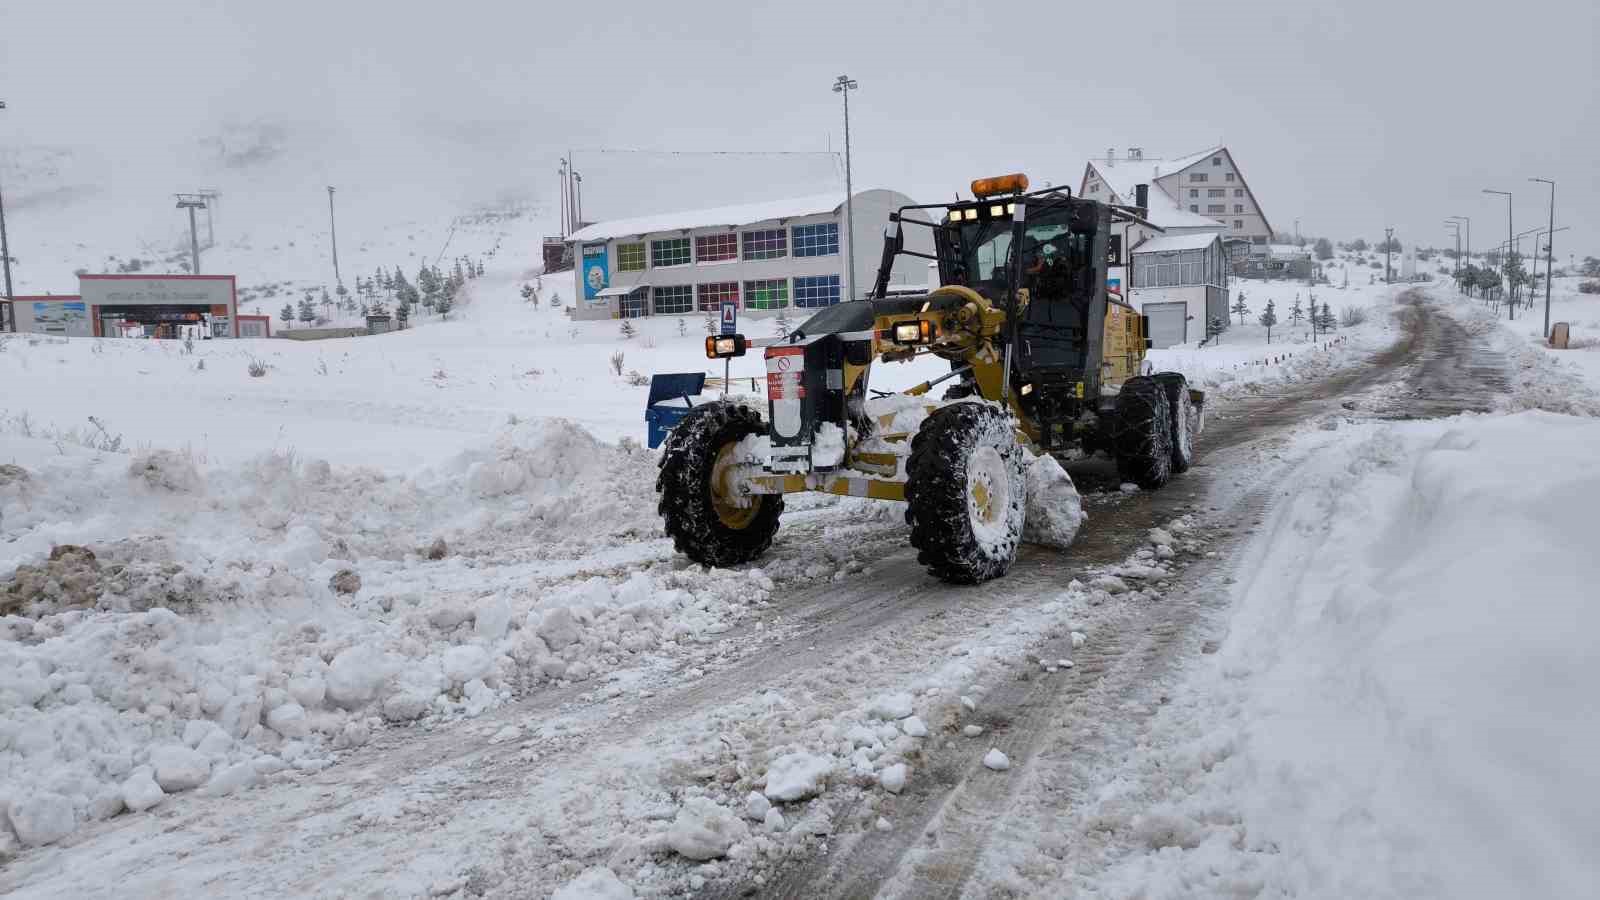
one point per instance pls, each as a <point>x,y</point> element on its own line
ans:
<point>1055,511</point>
<point>188,637</point>
<point>1406,686</point>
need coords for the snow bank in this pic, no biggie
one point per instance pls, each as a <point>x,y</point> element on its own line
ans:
<point>1404,704</point>
<point>170,627</point>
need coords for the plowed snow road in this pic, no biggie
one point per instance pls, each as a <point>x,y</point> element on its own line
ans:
<point>593,770</point>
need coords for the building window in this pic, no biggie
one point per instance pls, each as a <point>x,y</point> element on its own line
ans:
<point>712,295</point>
<point>772,293</point>
<point>815,240</point>
<point>1230,176</point>
<point>1216,207</point>
<point>769,244</point>
<point>670,252</point>
<point>1217,192</point>
<point>1172,269</point>
<point>1198,177</point>
<point>716,247</point>
<point>1216,160</point>
<point>1238,192</point>
<point>1238,207</point>
<point>1094,188</point>
<point>1194,192</point>
<point>1194,207</point>
<point>815,290</point>
<point>678,298</point>
<point>630,257</point>
<point>633,304</point>
<point>1238,224</point>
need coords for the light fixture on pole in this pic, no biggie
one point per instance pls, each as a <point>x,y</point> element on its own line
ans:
<point>10,323</point>
<point>1550,253</point>
<point>1505,260</point>
<point>192,202</point>
<point>844,85</point>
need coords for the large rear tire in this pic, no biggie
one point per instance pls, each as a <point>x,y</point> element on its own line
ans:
<point>1184,418</point>
<point>699,509</point>
<point>966,493</point>
<point>1143,433</point>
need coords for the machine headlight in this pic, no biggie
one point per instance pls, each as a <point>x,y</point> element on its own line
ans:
<point>724,346</point>
<point>1027,389</point>
<point>918,332</point>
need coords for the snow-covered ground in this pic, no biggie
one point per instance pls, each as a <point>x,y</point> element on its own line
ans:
<point>1398,700</point>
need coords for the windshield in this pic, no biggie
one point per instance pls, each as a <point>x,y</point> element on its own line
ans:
<point>982,251</point>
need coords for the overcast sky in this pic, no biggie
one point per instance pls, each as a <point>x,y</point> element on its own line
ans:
<point>1349,116</point>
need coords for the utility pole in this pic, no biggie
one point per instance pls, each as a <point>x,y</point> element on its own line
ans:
<point>210,196</point>
<point>334,235</point>
<point>192,202</point>
<point>10,324</point>
<point>1550,253</point>
<point>572,192</point>
<point>1388,249</point>
<point>844,85</point>
<point>1505,261</point>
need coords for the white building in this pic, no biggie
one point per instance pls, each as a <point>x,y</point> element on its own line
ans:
<point>1181,282</point>
<point>1199,191</point>
<point>780,254</point>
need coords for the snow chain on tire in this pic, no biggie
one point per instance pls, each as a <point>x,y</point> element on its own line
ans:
<point>1144,433</point>
<point>966,492</point>
<point>688,513</point>
<point>1185,419</point>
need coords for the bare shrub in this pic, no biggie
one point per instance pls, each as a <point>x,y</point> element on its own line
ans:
<point>1353,316</point>
<point>257,368</point>
<point>1589,287</point>
<point>637,380</point>
<point>616,363</point>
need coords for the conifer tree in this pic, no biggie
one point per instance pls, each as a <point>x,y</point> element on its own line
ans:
<point>1240,308</point>
<point>1269,318</point>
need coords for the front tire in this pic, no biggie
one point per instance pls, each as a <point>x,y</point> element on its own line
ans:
<point>698,506</point>
<point>1185,419</point>
<point>966,493</point>
<point>1143,433</point>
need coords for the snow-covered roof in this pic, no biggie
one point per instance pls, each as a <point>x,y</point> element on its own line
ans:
<point>1165,212</point>
<point>740,214</point>
<point>1169,243</point>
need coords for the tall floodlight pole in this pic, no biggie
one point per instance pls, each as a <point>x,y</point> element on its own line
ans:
<point>844,85</point>
<point>1550,253</point>
<point>333,233</point>
<point>10,324</point>
<point>1505,261</point>
<point>563,173</point>
<point>1455,229</point>
<point>577,188</point>
<point>1388,247</point>
<point>192,202</point>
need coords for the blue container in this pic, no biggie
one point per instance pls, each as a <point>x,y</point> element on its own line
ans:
<point>660,418</point>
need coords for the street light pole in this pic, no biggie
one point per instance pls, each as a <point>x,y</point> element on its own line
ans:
<point>1505,261</point>
<point>1388,248</point>
<point>334,234</point>
<point>844,85</point>
<point>10,324</point>
<point>1455,229</point>
<point>1550,253</point>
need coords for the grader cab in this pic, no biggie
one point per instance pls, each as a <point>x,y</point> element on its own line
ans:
<point>1043,359</point>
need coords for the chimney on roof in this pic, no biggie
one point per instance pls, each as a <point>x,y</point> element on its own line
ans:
<point>1111,154</point>
<point>1141,199</point>
<point>1136,153</point>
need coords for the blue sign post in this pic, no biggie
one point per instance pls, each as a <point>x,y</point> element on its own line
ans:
<point>730,316</point>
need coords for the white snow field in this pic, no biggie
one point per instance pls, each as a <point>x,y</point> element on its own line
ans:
<point>1398,701</point>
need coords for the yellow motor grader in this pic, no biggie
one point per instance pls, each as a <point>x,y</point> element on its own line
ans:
<point>1044,359</point>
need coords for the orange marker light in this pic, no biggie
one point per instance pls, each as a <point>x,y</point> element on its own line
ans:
<point>1015,183</point>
